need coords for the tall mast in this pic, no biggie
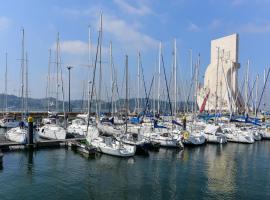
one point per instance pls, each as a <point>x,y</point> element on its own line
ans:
<point>126,101</point>
<point>90,64</point>
<point>6,95</point>
<point>256,93</point>
<point>100,68</point>
<point>191,76</point>
<point>49,80</point>
<point>216,92</point>
<point>159,71</point>
<point>57,72</point>
<point>138,82</point>
<point>26,83</point>
<point>22,75</point>
<point>175,78</point>
<point>89,48</point>
<point>112,78</point>
<point>246,87</point>
<point>196,83</point>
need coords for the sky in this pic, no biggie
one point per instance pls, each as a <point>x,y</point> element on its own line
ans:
<point>131,26</point>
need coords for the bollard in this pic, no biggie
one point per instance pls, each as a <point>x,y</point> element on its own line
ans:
<point>30,132</point>
<point>184,123</point>
<point>1,157</point>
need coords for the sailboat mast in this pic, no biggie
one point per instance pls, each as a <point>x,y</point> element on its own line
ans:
<point>112,79</point>
<point>49,80</point>
<point>26,83</point>
<point>90,63</point>
<point>159,71</point>
<point>57,73</point>
<point>22,76</point>
<point>175,79</point>
<point>138,82</point>
<point>126,101</point>
<point>6,108</point>
<point>246,87</point>
<point>256,93</point>
<point>216,92</point>
<point>100,68</point>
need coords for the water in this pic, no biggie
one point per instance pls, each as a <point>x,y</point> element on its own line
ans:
<point>232,171</point>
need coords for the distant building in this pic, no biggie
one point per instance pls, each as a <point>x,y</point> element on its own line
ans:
<point>220,87</point>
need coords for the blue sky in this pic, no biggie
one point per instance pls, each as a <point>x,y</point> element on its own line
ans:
<point>132,26</point>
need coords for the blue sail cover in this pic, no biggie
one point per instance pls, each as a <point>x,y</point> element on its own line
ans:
<point>135,120</point>
<point>177,123</point>
<point>158,126</point>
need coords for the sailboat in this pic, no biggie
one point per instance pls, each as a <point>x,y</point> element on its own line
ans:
<point>53,130</point>
<point>7,121</point>
<point>166,137</point>
<point>103,143</point>
<point>19,134</point>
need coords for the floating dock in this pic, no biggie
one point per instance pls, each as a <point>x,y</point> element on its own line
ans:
<point>6,145</point>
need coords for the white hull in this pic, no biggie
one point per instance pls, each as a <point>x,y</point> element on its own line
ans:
<point>196,139</point>
<point>166,139</point>
<point>214,134</point>
<point>220,139</point>
<point>17,135</point>
<point>52,131</point>
<point>77,129</point>
<point>240,138</point>
<point>114,148</point>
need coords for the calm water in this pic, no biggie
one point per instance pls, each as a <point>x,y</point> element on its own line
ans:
<point>232,171</point>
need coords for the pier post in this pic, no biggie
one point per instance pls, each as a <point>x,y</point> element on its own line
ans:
<point>1,157</point>
<point>30,132</point>
<point>184,121</point>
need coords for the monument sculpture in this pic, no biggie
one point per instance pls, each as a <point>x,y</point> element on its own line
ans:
<point>220,90</point>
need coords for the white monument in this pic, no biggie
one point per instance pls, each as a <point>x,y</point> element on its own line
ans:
<point>220,89</point>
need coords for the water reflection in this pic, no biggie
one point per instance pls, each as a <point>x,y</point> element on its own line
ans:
<point>229,171</point>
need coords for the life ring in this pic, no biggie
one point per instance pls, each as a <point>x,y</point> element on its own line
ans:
<point>186,135</point>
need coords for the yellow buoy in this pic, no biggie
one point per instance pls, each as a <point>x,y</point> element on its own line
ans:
<point>186,135</point>
<point>30,119</point>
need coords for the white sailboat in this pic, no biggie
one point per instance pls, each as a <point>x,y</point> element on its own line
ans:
<point>78,126</point>
<point>19,134</point>
<point>7,121</point>
<point>194,135</point>
<point>54,130</point>
<point>214,134</point>
<point>235,134</point>
<point>106,144</point>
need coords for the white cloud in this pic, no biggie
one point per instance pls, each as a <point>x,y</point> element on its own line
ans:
<point>4,23</point>
<point>128,34</point>
<point>256,28</point>
<point>130,9</point>
<point>74,47</point>
<point>193,27</point>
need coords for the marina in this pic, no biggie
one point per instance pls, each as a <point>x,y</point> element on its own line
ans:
<point>134,100</point>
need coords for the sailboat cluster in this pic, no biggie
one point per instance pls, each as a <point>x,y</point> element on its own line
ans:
<point>125,134</point>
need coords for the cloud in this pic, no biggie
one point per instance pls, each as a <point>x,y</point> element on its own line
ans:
<point>193,27</point>
<point>74,47</point>
<point>4,23</point>
<point>256,28</point>
<point>130,9</point>
<point>127,33</point>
